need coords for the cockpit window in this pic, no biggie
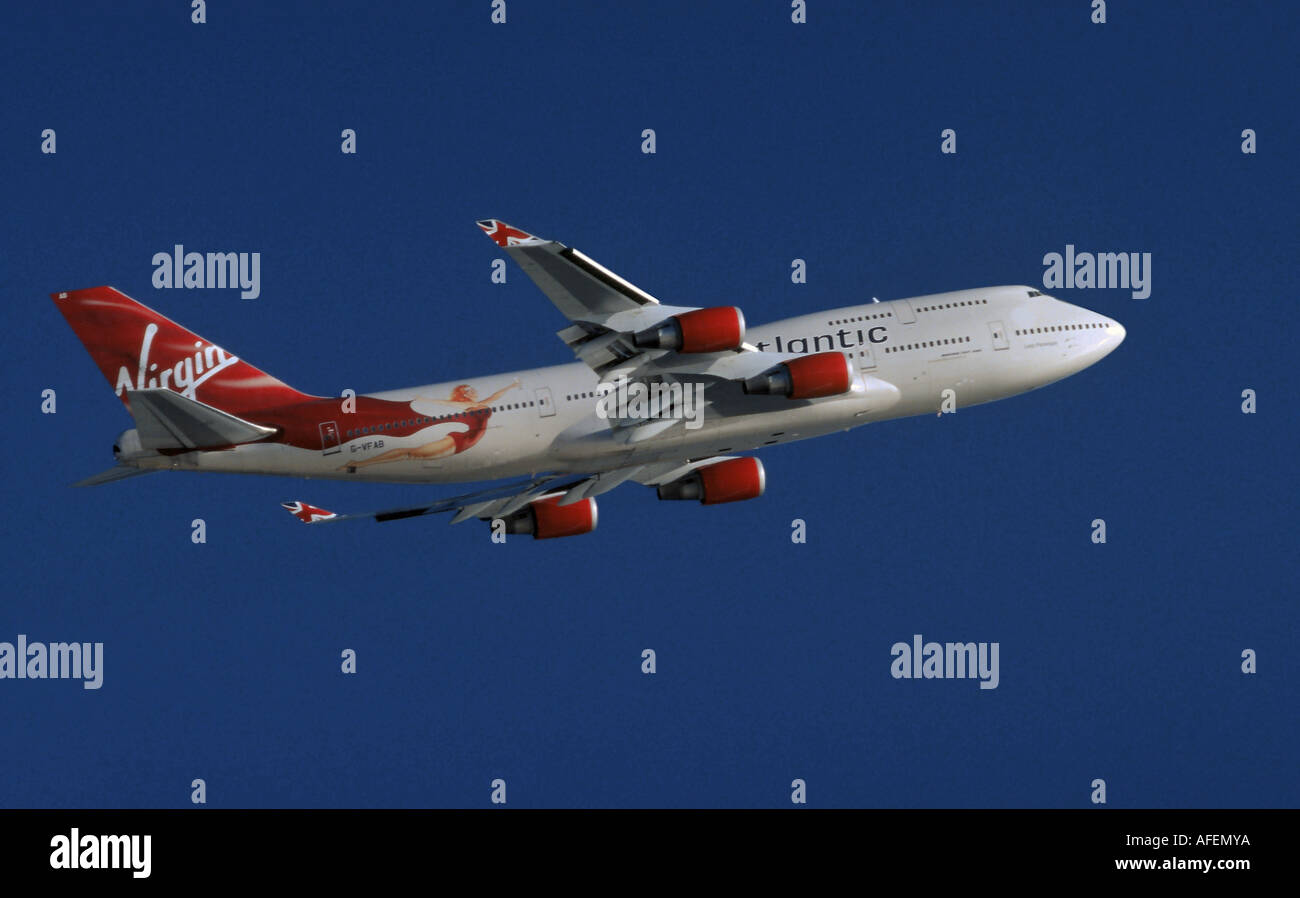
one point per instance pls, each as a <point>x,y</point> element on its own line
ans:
<point>1033,293</point>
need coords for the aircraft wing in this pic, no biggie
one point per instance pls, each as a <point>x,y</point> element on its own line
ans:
<point>489,503</point>
<point>115,473</point>
<point>580,287</point>
<point>605,311</point>
<point>505,500</point>
<point>653,474</point>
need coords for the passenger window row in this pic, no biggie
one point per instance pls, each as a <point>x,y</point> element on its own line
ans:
<point>1061,327</point>
<point>953,305</point>
<point>871,317</point>
<point>925,345</point>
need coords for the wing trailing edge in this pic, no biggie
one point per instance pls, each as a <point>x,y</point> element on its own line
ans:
<point>120,472</point>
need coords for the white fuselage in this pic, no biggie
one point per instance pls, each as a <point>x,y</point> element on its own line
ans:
<point>980,344</point>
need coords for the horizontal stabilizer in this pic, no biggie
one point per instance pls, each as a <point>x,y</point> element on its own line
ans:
<point>121,472</point>
<point>167,420</point>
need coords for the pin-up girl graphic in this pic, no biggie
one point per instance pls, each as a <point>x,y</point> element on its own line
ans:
<point>474,414</point>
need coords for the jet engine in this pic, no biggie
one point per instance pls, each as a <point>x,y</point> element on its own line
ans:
<point>733,480</point>
<point>716,329</point>
<point>807,377</point>
<point>547,519</point>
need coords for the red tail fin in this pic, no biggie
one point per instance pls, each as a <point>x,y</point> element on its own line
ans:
<point>136,348</point>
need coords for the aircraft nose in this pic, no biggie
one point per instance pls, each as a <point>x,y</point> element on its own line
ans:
<point>1109,342</point>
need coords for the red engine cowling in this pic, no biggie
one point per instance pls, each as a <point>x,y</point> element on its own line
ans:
<point>716,329</point>
<point>807,377</point>
<point>547,519</point>
<point>733,480</point>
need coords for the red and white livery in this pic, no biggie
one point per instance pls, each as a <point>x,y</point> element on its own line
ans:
<point>717,387</point>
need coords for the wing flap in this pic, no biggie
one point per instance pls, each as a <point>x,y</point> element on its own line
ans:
<point>120,472</point>
<point>600,483</point>
<point>487,503</point>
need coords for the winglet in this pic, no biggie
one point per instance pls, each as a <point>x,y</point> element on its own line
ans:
<point>504,235</point>
<point>308,514</point>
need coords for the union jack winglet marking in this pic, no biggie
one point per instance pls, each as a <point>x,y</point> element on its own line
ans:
<point>308,514</point>
<point>503,234</point>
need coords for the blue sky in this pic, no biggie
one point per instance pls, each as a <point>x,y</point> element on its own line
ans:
<point>774,141</point>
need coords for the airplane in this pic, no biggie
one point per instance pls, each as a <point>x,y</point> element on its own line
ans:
<point>661,395</point>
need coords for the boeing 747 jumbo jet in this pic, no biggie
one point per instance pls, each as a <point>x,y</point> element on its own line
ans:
<point>660,395</point>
